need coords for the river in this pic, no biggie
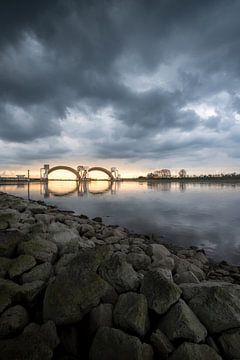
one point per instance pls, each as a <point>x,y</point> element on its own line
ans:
<point>206,215</point>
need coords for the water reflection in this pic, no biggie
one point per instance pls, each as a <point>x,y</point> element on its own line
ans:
<point>80,188</point>
<point>200,214</point>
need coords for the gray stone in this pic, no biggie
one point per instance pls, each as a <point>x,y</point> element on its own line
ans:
<point>13,320</point>
<point>42,250</point>
<point>131,313</point>
<point>182,265</point>
<point>147,352</point>
<point>76,290</point>
<point>40,272</point>
<point>139,261</point>
<point>35,343</point>
<point>30,291</point>
<point>110,344</point>
<point>230,343</point>
<point>185,277</point>
<point>21,264</point>
<point>63,262</point>
<point>161,257</point>
<point>216,304</point>
<point>5,263</point>
<point>100,316</point>
<point>8,293</point>
<point>9,240</point>
<point>161,344</point>
<point>189,351</point>
<point>160,292</point>
<point>8,217</point>
<point>119,274</point>
<point>181,323</point>
<point>65,238</point>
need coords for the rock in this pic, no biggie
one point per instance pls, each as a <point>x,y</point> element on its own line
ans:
<point>185,277</point>
<point>100,316</point>
<point>87,228</point>
<point>161,257</point>
<point>30,291</point>
<point>35,343</point>
<point>182,265</point>
<point>131,313</point>
<point>36,208</point>
<point>161,344</point>
<point>229,342</point>
<point>147,352</point>
<point>119,274</point>
<point>9,239</point>
<point>112,239</point>
<point>21,264</point>
<point>98,219</point>
<point>63,262</point>
<point>189,351</point>
<point>8,217</point>
<point>42,250</point>
<point>216,304</point>
<point>76,290</point>
<point>160,292</point>
<point>65,238</point>
<point>5,263</point>
<point>138,261</point>
<point>181,323</point>
<point>13,320</point>
<point>40,272</point>
<point>8,293</point>
<point>110,344</point>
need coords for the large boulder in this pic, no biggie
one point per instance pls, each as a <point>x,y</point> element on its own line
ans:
<point>8,218</point>
<point>110,344</point>
<point>13,320</point>
<point>35,343</point>
<point>9,240</point>
<point>66,239</point>
<point>190,351</point>
<point>40,272</point>
<point>160,292</point>
<point>5,264</point>
<point>131,313</point>
<point>229,342</point>
<point>75,290</point>
<point>216,304</point>
<point>139,261</point>
<point>185,277</point>
<point>119,274</point>
<point>21,264</point>
<point>181,323</point>
<point>43,250</point>
<point>183,265</point>
<point>100,316</point>
<point>161,257</point>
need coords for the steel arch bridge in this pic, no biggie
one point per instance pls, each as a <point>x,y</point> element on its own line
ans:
<point>82,172</point>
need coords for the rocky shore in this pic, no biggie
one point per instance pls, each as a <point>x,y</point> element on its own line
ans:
<point>74,288</point>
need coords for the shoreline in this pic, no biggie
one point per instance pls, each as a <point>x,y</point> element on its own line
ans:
<point>74,286</point>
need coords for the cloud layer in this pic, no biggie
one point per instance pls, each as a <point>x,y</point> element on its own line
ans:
<point>130,80</point>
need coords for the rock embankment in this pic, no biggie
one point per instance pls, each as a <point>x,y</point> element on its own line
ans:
<point>74,288</point>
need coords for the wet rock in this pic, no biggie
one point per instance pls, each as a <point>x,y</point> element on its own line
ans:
<point>161,344</point>
<point>13,320</point>
<point>36,208</point>
<point>64,237</point>
<point>160,292</point>
<point>216,304</point>
<point>100,316</point>
<point>9,240</point>
<point>98,219</point>
<point>189,351</point>
<point>229,341</point>
<point>21,264</point>
<point>119,274</point>
<point>181,323</point>
<point>40,272</point>
<point>42,250</point>
<point>185,277</point>
<point>114,344</point>
<point>35,343</point>
<point>5,263</point>
<point>131,313</point>
<point>138,261</point>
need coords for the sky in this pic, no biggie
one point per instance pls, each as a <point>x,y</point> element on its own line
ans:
<point>136,84</point>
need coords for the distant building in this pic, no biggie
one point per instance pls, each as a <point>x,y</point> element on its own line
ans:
<point>182,173</point>
<point>159,174</point>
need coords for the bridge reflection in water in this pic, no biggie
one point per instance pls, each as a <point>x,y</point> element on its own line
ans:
<point>80,188</point>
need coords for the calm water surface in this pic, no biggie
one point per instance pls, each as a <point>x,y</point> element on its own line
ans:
<point>203,215</point>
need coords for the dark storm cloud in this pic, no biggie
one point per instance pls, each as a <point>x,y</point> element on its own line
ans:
<point>59,55</point>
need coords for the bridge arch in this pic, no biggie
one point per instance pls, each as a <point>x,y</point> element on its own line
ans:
<point>97,168</point>
<point>62,167</point>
